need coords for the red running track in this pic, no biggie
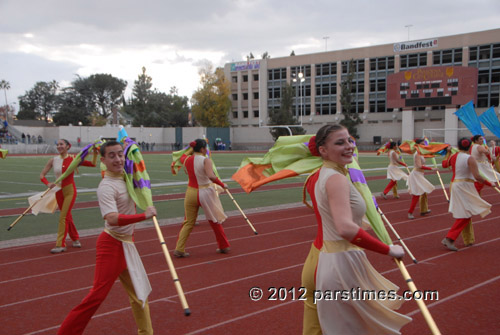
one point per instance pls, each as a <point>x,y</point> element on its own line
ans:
<point>38,289</point>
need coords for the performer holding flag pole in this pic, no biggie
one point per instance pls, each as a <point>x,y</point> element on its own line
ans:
<point>139,189</point>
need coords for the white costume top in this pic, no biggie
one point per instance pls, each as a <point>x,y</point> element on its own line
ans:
<point>417,184</point>
<point>207,192</point>
<point>393,170</point>
<point>484,165</point>
<point>464,200</point>
<point>344,267</point>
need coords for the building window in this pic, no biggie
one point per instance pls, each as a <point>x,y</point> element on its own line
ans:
<point>256,95</point>
<point>245,114</point>
<point>245,96</point>
<point>256,77</point>
<point>255,113</point>
<point>234,79</point>
<point>245,78</point>
<point>235,97</point>
<point>235,114</point>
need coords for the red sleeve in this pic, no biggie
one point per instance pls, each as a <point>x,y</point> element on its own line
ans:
<point>124,219</point>
<point>425,167</point>
<point>402,163</point>
<point>366,241</point>
<point>87,163</point>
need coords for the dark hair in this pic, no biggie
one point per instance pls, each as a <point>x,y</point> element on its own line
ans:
<point>324,131</point>
<point>66,141</point>
<point>108,144</point>
<point>464,143</point>
<point>392,145</point>
<point>476,137</point>
<point>198,144</point>
<point>419,140</point>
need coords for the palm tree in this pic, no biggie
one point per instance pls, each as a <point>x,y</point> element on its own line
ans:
<point>5,85</point>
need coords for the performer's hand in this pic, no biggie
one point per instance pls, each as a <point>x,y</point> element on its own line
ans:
<point>396,251</point>
<point>51,185</point>
<point>225,185</point>
<point>150,212</point>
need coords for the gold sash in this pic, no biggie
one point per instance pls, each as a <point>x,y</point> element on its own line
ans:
<point>120,237</point>
<point>338,246</point>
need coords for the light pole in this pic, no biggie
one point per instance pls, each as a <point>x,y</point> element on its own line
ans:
<point>408,26</point>
<point>300,78</point>
<point>326,42</point>
<point>80,138</point>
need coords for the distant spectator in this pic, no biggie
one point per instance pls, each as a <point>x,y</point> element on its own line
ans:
<point>147,146</point>
<point>152,146</point>
<point>23,136</point>
<point>29,138</point>
<point>40,139</point>
<point>79,140</point>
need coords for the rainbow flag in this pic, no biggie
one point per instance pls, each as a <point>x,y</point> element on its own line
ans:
<point>289,157</point>
<point>77,161</point>
<point>136,175</point>
<point>490,120</point>
<point>3,153</point>
<point>427,149</point>
<point>468,116</point>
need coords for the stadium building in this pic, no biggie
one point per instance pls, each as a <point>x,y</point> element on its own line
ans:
<point>401,90</point>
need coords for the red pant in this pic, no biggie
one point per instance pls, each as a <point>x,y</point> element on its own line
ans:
<point>457,228</point>
<point>391,184</point>
<point>110,264</point>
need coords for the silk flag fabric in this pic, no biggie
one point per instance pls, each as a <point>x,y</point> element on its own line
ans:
<point>45,204</point>
<point>77,161</point>
<point>467,114</point>
<point>490,120</point>
<point>3,153</point>
<point>136,175</point>
<point>427,149</point>
<point>289,157</point>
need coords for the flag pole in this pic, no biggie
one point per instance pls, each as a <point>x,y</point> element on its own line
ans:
<point>420,302</point>
<point>248,221</point>
<point>397,235</point>
<point>403,160</point>
<point>440,180</point>
<point>171,267</point>
<point>27,210</point>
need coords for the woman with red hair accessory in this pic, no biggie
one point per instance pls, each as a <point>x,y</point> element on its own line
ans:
<point>418,186</point>
<point>394,173</point>
<point>201,192</point>
<point>66,196</point>
<point>464,200</point>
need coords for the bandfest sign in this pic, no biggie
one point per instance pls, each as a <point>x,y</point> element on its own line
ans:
<point>250,65</point>
<point>415,45</point>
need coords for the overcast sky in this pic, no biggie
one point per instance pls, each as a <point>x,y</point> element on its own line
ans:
<point>44,40</point>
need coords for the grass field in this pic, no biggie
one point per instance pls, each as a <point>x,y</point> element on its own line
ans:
<point>19,178</point>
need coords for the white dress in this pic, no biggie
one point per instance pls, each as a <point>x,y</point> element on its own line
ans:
<point>207,192</point>
<point>393,170</point>
<point>417,184</point>
<point>484,166</point>
<point>465,202</point>
<point>343,267</point>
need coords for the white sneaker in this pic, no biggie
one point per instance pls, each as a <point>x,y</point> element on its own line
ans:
<point>410,216</point>
<point>57,250</point>
<point>77,244</point>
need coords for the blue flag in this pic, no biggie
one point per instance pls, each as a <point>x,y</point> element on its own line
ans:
<point>468,116</point>
<point>490,120</point>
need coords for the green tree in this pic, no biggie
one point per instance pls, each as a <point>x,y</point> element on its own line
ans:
<point>141,94</point>
<point>5,85</point>
<point>210,103</point>
<point>72,109</point>
<point>284,115</point>
<point>347,88</point>
<point>102,92</point>
<point>39,102</point>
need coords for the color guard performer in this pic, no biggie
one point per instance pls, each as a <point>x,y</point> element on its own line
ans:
<point>418,186</point>
<point>394,173</point>
<point>116,255</point>
<point>66,196</point>
<point>465,200</point>
<point>201,191</point>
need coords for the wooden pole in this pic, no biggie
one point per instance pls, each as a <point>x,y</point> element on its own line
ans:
<point>397,235</point>
<point>440,180</point>
<point>421,304</point>
<point>27,210</point>
<point>248,221</point>
<point>171,267</point>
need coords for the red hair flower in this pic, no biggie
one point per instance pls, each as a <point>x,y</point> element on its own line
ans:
<point>192,144</point>
<point>312,146</point>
